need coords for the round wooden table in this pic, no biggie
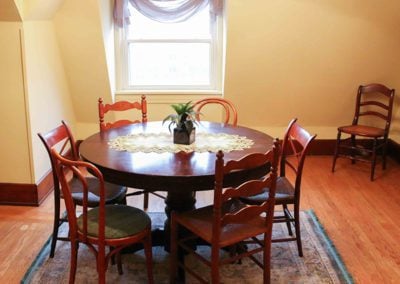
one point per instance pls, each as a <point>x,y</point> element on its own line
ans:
<point>179,174</point>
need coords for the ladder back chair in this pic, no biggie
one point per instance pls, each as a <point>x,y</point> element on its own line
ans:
<point>114,226</point>
<point>121,106</point>
<point>230,112</point>
<point>228,221</point>
<point>295,147</point>
<point>372,119</point>
<point>61,138</point>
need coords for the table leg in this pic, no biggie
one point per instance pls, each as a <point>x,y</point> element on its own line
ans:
<point>179,201</point>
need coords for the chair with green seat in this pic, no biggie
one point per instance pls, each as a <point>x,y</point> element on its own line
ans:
<point>295,147</point>
<point>115,226</point>
<point>61,138</point>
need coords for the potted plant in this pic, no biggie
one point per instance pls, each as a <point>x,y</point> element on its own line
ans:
<point>184,120</point>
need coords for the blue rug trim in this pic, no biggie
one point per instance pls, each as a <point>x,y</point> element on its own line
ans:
<point>45,251</point>
<point>40,258</point>
<point>330,247</point>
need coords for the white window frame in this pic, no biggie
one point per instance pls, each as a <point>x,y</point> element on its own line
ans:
<point>216,65</point>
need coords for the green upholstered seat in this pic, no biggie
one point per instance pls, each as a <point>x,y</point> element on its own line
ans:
<point>284,193</point>
<point>121,221</point>
<point>113,193</point>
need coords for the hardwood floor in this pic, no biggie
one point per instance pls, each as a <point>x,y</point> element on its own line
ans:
<point>360,217</point>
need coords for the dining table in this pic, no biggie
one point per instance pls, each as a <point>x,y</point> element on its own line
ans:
<point>143,156</point>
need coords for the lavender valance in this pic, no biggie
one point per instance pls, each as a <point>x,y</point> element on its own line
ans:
<point>166,11</point>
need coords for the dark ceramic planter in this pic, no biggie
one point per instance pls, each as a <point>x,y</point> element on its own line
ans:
<point>181,136</point>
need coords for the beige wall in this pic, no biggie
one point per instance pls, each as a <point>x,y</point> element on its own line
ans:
<point>14,150</point>
<point>80,36</point>
<point>34,91</point>
<point>47,88</point>
<point>302,59</point>
<point>306,59</point>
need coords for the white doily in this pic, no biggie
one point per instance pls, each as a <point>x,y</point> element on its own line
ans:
<point>162,142</point>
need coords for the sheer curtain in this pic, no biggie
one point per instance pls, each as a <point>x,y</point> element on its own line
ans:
<point>166,11</point>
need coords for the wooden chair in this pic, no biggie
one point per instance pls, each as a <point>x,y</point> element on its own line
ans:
<point>295,146</point>
<point>228,221</point>
<point>61,138</point>
<point>230,112</point>
<point>121,106</point>
<point>371,121</point>
<point>109,225</point>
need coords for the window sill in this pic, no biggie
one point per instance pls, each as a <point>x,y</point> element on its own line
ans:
<point>168,97</point>
<point>168,92</point>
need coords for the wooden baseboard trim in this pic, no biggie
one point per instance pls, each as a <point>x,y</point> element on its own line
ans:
<point>26,194</point>
<point>327,147</point>
<point>34,195</point>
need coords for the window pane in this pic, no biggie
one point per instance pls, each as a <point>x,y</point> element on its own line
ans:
<point>169,64</point>
<point>197,27</point>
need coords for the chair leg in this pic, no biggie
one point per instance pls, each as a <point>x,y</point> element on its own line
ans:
<point>335,155</point>
<point>119,263</point>
<point>145,200</point>
<point>215,264</point>
<point>373,159</point>
<point>384,150</point>
<point>267,258</point>
<point>353,144</point>
<point>74,261</point>
<point>287,217</point>
<point>101,265</point>
<point>56,224</point>
<point>149,258</point>
<point>173,250</point>
<point>297,228</point>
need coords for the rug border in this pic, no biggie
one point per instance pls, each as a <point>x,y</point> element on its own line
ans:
<point>331,249</point>
<point>40,258</point>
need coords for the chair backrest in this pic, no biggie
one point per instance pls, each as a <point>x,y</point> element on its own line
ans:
<point>79,168</point>
<point>374,101</point>
<point>61,139</point>
<point>121,106</point>
<point>227,196</point>
<point>230,112</point>
<point>295,147</point>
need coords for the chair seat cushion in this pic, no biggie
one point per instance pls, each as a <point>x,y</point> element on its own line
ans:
<point>284,193</point>
<point>121,221</point>
<point>114,193</point>
<point>363,130</point>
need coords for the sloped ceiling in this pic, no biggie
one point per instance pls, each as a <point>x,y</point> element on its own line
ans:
<point>37,10</point>
<point>9,11</point>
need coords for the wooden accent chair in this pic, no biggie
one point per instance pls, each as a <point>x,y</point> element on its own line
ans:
<point>228,221</point>
<point>119,107</point>
<point>295,146</point>
<point>108,225</point>
<point>371,121</point>
<point>61,138</point>
<point>230,112</point>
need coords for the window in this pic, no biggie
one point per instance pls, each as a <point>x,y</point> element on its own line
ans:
<point>170,56</point>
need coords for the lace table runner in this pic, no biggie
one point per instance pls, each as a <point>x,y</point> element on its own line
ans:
<point>162,142</point>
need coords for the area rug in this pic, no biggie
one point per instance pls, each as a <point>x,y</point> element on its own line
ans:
<point>320,263</point>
